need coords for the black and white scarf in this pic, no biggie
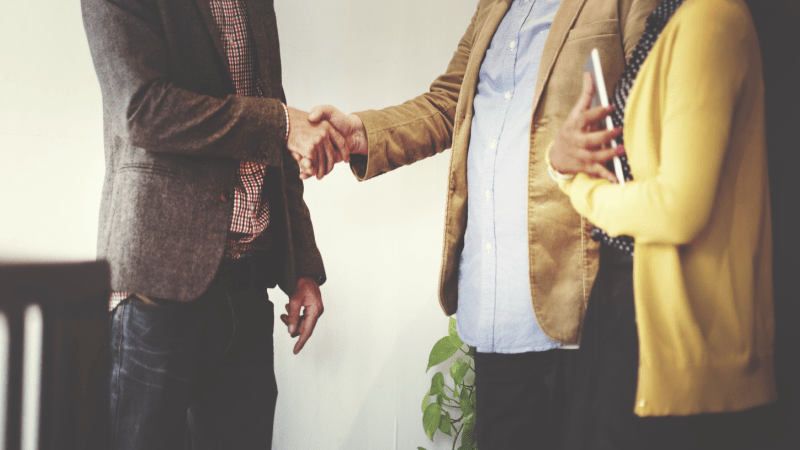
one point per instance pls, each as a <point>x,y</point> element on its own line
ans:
<point>653,27</point>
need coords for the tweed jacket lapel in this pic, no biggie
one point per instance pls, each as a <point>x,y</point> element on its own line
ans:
<point>565,16</point>
<point>205,11</point>
<point>265,42</point>
<point>268,54</point>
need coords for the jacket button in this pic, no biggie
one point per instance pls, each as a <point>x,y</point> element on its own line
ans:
<point>225,197</point>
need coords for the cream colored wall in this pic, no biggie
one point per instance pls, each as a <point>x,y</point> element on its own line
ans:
<point>359,382</point>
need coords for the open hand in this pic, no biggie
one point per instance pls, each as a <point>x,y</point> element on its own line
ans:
<point>308,298</point>
<point>578,146</point>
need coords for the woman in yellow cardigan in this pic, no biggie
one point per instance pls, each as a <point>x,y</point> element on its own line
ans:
<point>690,332</point>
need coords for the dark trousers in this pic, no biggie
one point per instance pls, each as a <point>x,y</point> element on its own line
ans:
<point>520,399</point>
<point>204,366</point>
<point>603,393</point>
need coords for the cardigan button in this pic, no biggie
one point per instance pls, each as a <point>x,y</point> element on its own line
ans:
<point>642,403</point>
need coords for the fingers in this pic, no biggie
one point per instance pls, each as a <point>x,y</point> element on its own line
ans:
<point>322,157</point>
<point>293,308</point>
<point>307,296</point>
<point>306,328</point>
<point>599,139</point>
<point>597,167</point>
<point>332,155</point>
<point>306,169</point>
<point>340,143</point>
<point>595,116</point>
<point>600,171</point>
<point>321,112</point>
<point>285,320</point>
<point>587,92</point>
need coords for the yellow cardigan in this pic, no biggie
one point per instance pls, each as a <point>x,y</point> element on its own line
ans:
<point>699,211</point>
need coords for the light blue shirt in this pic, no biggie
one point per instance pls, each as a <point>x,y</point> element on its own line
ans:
<point>494,295</point>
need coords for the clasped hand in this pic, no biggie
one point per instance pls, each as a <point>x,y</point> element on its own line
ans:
<point>324,137</point>
<point>580,145</point>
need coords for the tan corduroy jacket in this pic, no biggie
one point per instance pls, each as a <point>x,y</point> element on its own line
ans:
<point>563,258</point>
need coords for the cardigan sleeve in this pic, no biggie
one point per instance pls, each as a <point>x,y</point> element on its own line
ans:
<point>704,61</point>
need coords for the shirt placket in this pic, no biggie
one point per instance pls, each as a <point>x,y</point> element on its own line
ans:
<point>502,103</point>
<point>250,214</point>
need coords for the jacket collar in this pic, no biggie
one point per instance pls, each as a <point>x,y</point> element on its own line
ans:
<point>205,11</point>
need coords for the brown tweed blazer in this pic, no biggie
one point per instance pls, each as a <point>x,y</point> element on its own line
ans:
<point>174,135</point>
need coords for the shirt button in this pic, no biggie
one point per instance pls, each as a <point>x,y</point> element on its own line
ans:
<point>488,195</point>
<point>488,248</point>
<point>642,403</point>
<point>512,44</point>
<point>508,95</point>
<point>493,145</point>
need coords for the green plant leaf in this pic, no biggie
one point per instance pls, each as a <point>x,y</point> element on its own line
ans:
<point>431,418</point>
<point>468,434</point>
<point>445,425</point>
<point>441,351</point>
<point>426,401</point>
<point>453,331</point>
<point>458,370</point>
<point>464,402</point>
<point>437,384</point>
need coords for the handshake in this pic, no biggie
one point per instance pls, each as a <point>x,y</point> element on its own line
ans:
<point>323,137</point>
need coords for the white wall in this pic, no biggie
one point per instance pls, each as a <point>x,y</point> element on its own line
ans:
<point>359,382</point>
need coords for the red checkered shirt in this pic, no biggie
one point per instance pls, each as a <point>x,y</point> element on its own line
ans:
<point>250,213</point>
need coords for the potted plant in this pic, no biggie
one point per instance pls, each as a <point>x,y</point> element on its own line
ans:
<point>449,406</point>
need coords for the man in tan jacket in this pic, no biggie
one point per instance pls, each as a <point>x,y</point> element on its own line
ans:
<point>512,81</point>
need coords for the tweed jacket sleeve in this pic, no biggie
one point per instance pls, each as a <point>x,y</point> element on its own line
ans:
<point>420,127</point>
<point>308,261</point>
<point>143,68</point>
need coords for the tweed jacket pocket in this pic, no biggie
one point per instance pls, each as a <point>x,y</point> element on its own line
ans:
<point>594,29</point>
<point>153,168</point>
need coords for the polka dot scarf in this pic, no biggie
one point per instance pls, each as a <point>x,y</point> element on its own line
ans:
<point>653,27</point>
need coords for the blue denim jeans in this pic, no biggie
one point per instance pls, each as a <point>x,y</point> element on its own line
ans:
<point>202,368</point>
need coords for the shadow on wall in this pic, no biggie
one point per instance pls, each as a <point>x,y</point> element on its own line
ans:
<point>779,35</point>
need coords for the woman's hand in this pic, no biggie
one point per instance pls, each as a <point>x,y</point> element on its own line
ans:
<point>578,146</point>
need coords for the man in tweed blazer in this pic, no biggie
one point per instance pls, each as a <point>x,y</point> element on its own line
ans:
<point>518,261</point>
<point>202,210</point>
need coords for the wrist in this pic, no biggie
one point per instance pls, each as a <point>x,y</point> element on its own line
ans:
<point>359,135</point>
<point>288,122</point>
<point>555,175</point>
<point>314,281</point>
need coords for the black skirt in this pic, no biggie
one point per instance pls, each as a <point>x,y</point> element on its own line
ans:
<point>603,389</point>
